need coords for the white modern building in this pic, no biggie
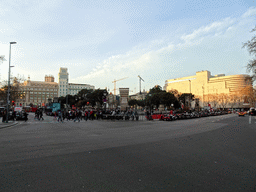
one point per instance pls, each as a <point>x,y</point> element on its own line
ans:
<point>66,88</point>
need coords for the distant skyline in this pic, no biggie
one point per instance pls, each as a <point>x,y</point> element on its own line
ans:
<point>99,41</point>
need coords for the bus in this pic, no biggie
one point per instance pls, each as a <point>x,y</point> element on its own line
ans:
<point>30,109</point>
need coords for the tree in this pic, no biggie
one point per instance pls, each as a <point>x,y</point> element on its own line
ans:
<point>132,102</point>
<point>168,99</point>
<point>248,95</point>
<point>157,96</point>
<point>156,89</point>
<point>251,47</point>
<point>184,98</point>
<point>175,93</point>
<point>223,100</point>
<point>15,92</point>
<point>97,96</point>
<point>213,99</point>
<point>84,92</point>
<point>233,97</point>
<point>141,103</point>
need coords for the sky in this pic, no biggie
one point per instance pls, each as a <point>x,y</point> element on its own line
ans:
<point>101,41</point>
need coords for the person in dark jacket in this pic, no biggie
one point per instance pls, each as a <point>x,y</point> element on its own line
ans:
<point>25,115</point>
<point>4,116</point>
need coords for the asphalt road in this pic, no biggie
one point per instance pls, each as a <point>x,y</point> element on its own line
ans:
<point>207,154</point>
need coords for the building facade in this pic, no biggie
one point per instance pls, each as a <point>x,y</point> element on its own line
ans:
<point>74,88</point>
<point>203,84</point>
<point>63,82</point>
<point>37,92</point>
<point>66,88</point>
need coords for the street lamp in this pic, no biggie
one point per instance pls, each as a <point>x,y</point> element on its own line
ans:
<point>8,94</point>
<point>105,96</point>
<point>190,94</point>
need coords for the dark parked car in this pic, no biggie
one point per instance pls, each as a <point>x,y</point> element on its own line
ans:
<point>20,115</point>
<point>203,114</point>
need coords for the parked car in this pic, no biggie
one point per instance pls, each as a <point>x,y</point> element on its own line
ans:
<point>203,114</point>
<point>20,115</point>
<point>195,114</point>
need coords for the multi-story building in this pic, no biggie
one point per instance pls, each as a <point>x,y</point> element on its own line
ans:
<point>40,92</point>
<point>74,88</point>
<point>66,88</point>
<point>63,82</point>
<point>204,84</point>
<point>139,96</point>
<point>37,92</point>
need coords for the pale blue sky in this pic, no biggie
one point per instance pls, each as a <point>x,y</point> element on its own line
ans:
<point>99,41</point>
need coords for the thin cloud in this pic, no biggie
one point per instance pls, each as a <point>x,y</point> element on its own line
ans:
<point>213,28</point>
<point>249,13</point>
<point>148,56</point>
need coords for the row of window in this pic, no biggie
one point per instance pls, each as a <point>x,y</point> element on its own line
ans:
<point>43,93</point>
<point>73,87</point>
<point>40,89</point>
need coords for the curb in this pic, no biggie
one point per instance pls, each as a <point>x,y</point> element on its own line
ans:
<point>8,125</point>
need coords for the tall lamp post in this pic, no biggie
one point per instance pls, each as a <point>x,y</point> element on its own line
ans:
<point>8,93</point>
<point>190,94</point>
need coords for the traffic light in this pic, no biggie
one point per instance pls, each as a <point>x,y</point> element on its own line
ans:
<point>13,103</point>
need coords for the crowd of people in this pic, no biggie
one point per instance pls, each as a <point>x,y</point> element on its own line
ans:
<point>78,115</point>
<point>14,115</point>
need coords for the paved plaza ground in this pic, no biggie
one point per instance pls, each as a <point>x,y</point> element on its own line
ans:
<point>205,154</point>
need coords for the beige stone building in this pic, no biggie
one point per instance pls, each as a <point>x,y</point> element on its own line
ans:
<point>37,92</point>
<point>203,84</point>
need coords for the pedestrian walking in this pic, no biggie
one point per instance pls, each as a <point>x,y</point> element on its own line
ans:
<point>40,115</point>
<point>60,116</point>
<point>91,115</point>
<point>77,116</point>
<point>86,115</point>
<point>25,115</point>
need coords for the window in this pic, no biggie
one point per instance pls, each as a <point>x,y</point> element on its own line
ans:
<point>35,88</point>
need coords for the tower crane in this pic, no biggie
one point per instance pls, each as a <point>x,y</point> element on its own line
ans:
<point>140,82</point>
<point>115,83</point>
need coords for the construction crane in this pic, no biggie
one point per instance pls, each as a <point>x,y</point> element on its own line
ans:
<point>115,83</point>
<point>140,82</point>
